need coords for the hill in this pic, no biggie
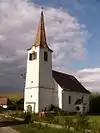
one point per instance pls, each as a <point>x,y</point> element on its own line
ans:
<point>12,95</point>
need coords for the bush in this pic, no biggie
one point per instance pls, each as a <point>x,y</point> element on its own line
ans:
<point>82,123</point>
<point>95,128</point>
<point>27,117</point>
<point>1,109</point>
<point>57,110</point>
<point>94,102</point>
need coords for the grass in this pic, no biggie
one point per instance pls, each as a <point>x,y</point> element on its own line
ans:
<point>95,119</point>
<point>60,119</point>
<point>24,128</point>
<point>3,118</point>
<point>54,119</point>
<point>37,128</point>
<point>12,95</point>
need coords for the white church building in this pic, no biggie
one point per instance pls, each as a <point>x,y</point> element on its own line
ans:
<point>44,86</point>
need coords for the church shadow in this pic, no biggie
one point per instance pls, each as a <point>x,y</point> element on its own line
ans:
<point>12,123</point>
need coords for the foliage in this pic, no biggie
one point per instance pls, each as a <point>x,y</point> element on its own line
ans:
<point>79,123</point>
<point>82,123</point>
<point>1,109</point>
<point>38,128</point>
<point>94,102</point>
<point>95,127</point>
<point>57,110</point>
<point>27,117</point>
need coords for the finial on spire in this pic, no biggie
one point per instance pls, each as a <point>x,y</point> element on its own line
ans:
<point>41,34</point>
<point>42,9</point>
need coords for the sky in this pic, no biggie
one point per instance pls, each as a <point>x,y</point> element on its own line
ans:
<point>72,28</point>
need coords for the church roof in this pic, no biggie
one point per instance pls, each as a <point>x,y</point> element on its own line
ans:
<point>69,82</point>
<point>41,34</point>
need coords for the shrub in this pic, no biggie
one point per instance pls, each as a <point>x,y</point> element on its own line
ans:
<point>27,117</point>
<point>68,123</point>
<point>1,109</point>
<point>57,110</point>
<point>94,102</point>
<point>82,123</point>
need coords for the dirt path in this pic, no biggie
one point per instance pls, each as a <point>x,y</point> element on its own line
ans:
<point>7,130</point>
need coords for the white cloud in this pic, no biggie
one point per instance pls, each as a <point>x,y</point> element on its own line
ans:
<point>18,26</point>
<point>90,78</point>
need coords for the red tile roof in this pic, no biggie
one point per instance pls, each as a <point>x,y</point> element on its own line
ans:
<point>69,82</point>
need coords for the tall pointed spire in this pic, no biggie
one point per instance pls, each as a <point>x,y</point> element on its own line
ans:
<point>41,34</point>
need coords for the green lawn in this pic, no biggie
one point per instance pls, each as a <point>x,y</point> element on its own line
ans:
<point>37,128</point>
<point>95,119</point>
<point>92,119</point>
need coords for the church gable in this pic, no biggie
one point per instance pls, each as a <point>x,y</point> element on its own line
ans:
<point>69,82</point>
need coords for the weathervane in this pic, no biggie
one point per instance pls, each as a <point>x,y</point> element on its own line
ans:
<point>42,8</point>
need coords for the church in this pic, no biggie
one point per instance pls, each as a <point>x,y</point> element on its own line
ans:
<point>44,86</point>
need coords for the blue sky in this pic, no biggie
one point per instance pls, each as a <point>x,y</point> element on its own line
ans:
<point>73,30</point>
<point>87,13</point>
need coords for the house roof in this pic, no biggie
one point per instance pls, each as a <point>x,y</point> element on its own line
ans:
<point>3,100</point>
<point>69,82</point>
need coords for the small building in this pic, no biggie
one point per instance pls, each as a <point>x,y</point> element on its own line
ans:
<point>4,102</point>
<point>45,86</point>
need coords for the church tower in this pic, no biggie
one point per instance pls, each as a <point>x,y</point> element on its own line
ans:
<point>38,85</point>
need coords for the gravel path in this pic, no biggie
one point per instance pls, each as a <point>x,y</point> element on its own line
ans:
<point>7,130</point>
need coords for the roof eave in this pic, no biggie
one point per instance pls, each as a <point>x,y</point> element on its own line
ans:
<point>42,47</point>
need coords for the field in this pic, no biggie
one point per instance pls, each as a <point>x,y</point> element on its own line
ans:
<point>12,95</point>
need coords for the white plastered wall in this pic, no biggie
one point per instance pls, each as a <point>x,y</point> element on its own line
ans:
<point>31,93</point>
<point>74,96</point>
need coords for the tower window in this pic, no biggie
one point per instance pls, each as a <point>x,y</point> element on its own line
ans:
<point>45,56</point>
<point>30,56</point>
<point>69,99</point>
<point>33,56</point>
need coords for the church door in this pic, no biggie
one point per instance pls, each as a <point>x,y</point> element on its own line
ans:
<point>29,108</point>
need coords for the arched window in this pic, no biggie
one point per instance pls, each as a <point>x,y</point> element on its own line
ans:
<point>29,108</point>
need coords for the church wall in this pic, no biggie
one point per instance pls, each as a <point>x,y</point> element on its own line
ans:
<point>61,98</point>
<point>57,94</point>
<point>32,81</point>
<point>31,98</point>
<point>45,98</point>
<point>39,77</point>
<point>45,79</point>
<point>74,96</point>
<point>32,72</point>
<point>45,70</point>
